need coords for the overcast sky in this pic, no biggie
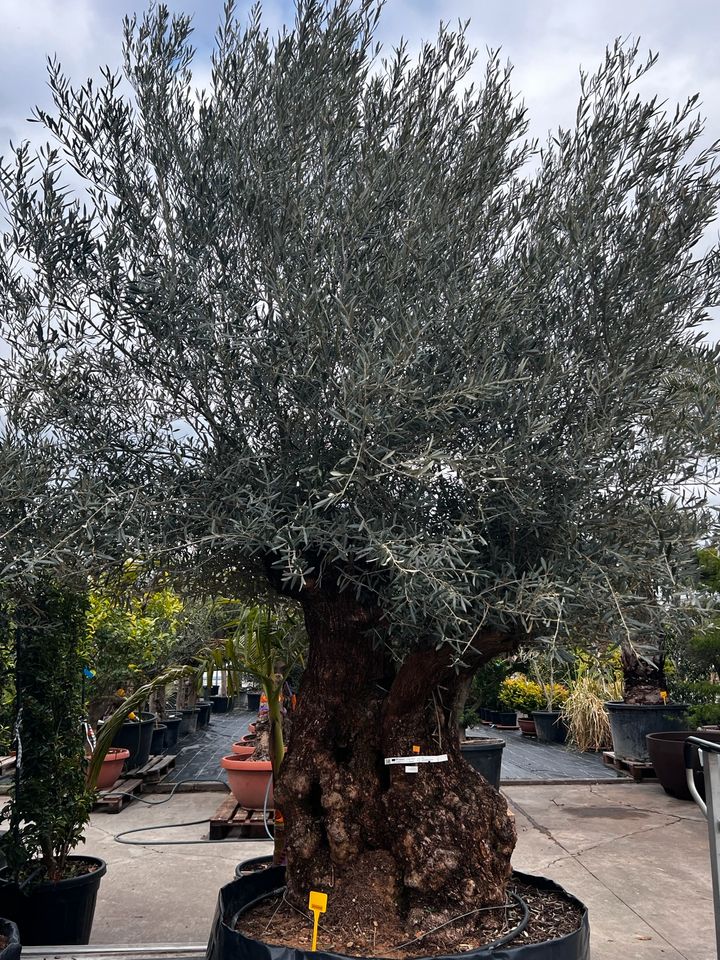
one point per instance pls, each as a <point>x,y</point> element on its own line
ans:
<point>546,40</point>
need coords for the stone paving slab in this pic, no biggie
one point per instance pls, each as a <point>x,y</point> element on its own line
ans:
<point>525,759</point>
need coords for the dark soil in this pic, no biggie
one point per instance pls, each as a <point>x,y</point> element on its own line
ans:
<point>359,933</point>
<point>73,868</point>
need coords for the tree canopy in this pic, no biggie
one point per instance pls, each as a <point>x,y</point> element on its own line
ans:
<point>335,321</point>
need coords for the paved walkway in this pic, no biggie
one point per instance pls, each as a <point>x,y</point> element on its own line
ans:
<point>636,857</point>
<point>199,754</point>
<point>525,760</point>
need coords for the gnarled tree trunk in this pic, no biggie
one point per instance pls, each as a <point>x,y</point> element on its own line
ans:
<point>643,678</point>
<point>428,844</point>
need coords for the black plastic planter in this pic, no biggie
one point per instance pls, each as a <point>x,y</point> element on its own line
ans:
<point>630,723</point>
<point>9,930</point>
<point>485,756</point>
<point>506,718</point>
<point>54,913</point>
<point>666,752</point>
<point>136,736</point>
<point>227,944</point>
<point>172,732</point>
<point>205,708</point>
<point>189,720</point>
<point>220,704</point>
<point>157,745</point>
<point>253,701</point>
<point>252,865</point>
<point>549,727</point>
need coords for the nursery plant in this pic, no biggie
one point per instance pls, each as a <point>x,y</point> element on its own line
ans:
<point>50,802</point>
<point>518,692</point>
<point>367,355</point>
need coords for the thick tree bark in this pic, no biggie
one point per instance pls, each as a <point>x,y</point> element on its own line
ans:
<point>424,845</point>
<point>643,680</point>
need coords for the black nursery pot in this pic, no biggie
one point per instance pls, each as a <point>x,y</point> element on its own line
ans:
<point>136,736</point>
<point>172,723</point>
<point>189,721</point>
<point>630,723</point>
<point>227,944</point>
<point>205,707</point>
<point>253,701</point>
<point>252,865</point>
<point>54,913</point>
<point>549,727</point>
<point>485,756</point>
<point>220,704</point>
<point>9,930</point>
<point>157,746</point>
<point>506,718</point>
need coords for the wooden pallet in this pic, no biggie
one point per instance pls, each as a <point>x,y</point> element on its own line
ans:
<point>7,764</point>
<point>115,798</point>
<point>231,816</point>
<point>637,769</point>
<point>154,770</point>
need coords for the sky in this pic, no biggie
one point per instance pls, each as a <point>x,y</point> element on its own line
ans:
<point>547,41</point>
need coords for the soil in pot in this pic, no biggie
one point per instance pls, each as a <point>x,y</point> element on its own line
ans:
<point>136,736</point>
<point>248,780</point>
<point>55,913</point>
<point>549,727</point>
<point>112,767</point>
<point>241,749</point>
<point>557,924</point>
<point>630,723</point>
<point>666,752</point>
<point>252,865</point>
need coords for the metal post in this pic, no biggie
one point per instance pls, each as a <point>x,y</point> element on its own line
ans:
<point>710,759</point>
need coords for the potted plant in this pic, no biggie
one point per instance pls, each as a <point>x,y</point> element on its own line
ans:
<point>267,645</point>
<point>594,682</point>
<point>47,891</point>
<point>523,695</point>
<point>646,706</point>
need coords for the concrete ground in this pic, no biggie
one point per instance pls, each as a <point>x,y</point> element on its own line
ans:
<point>637,858</point>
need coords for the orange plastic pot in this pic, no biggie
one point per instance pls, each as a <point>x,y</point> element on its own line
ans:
<point>241,749</point>
<point>112,767</point>
<point>248,780</point>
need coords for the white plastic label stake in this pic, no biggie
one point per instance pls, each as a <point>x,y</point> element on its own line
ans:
<point>411,763</point>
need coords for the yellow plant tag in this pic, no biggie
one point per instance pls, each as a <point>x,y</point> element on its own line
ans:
<point>318,905</point>
<point>416,749</point>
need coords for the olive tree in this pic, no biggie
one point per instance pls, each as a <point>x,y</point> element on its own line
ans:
<point>372,348</point>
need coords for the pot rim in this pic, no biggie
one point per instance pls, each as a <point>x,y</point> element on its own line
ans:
<point>68,882</point>
<point>621,705</point>
<point>233,762</point>
<point>121,753</point>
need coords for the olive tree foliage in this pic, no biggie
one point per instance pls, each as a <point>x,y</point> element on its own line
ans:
<point>352,329</point>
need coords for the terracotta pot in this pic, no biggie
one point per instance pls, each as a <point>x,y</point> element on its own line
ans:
<point>527,727</point>
<point>251,728</point>
<point>248,780</point>
<point>241,749</point>
<point>248,738</point>
<point>112,767</point>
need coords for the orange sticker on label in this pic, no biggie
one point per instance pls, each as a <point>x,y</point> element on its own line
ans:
<point>416,749</point>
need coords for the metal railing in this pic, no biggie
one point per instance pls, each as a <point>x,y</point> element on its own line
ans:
<point>709,754</point>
